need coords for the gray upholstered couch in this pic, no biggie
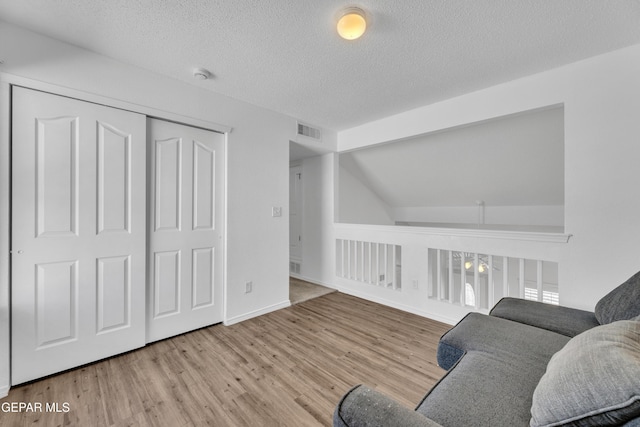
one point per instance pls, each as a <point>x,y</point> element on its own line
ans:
<point>526,363</point>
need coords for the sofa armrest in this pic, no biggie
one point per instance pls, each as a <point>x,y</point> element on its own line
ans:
<point>562,320</point>
<point>362,406</point>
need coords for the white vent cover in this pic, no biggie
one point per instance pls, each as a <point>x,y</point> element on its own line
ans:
<point>294,267</point>
<point>308,131</point>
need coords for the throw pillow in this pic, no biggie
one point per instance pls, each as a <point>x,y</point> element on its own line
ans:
<point>593,380</point>
<point>622,303</point>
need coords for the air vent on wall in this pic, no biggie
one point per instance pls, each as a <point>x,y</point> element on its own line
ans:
<point>308,131</point>
<point>294,267</point>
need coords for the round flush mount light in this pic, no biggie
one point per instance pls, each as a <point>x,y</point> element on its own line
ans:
<point>201,74</point>
<point>352,23</point>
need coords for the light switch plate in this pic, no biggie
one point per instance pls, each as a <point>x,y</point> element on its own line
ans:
<point>276,211</point>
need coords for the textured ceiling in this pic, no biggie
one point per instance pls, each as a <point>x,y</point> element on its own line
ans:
<point>286,56</point>
<point>512,161</point>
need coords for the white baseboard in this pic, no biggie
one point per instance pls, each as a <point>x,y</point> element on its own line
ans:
<point>256,313</point>
<point>399,306</point>
<point>4,391</point>
<point>314,281</point>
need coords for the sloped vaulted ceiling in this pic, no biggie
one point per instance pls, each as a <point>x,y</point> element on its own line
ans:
<point>285,55</point>
<point>512,161</point>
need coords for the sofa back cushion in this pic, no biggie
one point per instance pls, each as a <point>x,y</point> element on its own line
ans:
<point>622,303</point>
<point>593,380</point>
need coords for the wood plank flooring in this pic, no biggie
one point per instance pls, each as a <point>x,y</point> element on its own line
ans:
<point>286,368</point>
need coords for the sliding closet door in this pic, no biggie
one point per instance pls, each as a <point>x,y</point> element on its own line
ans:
<point>78,233</point>
<point>185,229</point>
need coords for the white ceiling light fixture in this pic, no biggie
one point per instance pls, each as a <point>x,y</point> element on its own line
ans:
<point>352,23</point>
<point>201,74</point>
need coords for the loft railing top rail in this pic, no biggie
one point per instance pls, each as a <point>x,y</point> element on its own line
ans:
<point>459,232</point>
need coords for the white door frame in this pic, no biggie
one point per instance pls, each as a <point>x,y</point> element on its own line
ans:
<point>298,209</point>
<point>8,80</point>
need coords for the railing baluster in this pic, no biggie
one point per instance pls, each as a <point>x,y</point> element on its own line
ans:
<point>439,273</point>
<point>376,271</point>
<point>476,279</point>
<point>357,259</point>
<point>338,257</point>
<point>356,264</point>
<point>451,281</point>
<point>505,276</point>
<point>429,273</point>
<point>360,258</point>
<point>347,267</point>
<point>374,268</point>
<point>345,258</point>
<point>463,280</point>
<point>539,280</point>
<point>342,258</point>
<point>490,285</point>
<point>387,256</point>
<point>381,264</point>
<point>395,269</point>
<point>369,262</point>
<point>521,278</point>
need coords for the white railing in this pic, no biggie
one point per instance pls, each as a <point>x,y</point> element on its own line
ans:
<point>376,264</point>
<point>430,269</point>
<point>480,280</point>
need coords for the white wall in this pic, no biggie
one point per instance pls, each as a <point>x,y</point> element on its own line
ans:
<point>601,98</point>
<point>257,169</point>
<point>358,204</point>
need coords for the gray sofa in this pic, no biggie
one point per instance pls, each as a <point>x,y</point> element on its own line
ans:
<point>526,363</point>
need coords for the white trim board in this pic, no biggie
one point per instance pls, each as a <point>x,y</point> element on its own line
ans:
<point>5,229</point>
<point>402,307</point>
<point>113,102</point>
<point>256,313</point>
<point>458,232</point>
<point>314,281</point>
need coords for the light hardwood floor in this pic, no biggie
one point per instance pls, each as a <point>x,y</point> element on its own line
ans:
<point>286,368</point>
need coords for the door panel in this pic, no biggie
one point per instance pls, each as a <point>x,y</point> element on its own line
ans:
<point>203,277</point>
<point>166,288</point>
<point>56,303</point>
<point>78,233</point>
<point>114,288</point>
<point>204,191</point>
<point>185,240</point>
<point>56,172</point>
<point>168,184</point>
<point>114,181</point>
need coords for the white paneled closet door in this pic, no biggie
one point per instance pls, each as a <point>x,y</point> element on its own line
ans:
<point>78,233</point>
<point>185,230</point>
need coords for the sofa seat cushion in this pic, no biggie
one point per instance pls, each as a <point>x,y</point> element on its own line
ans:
<point>563,320</point>
<point>509,341</point>
<point>484,389</point>
<point>622,303</point>
<point>593,381</point>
